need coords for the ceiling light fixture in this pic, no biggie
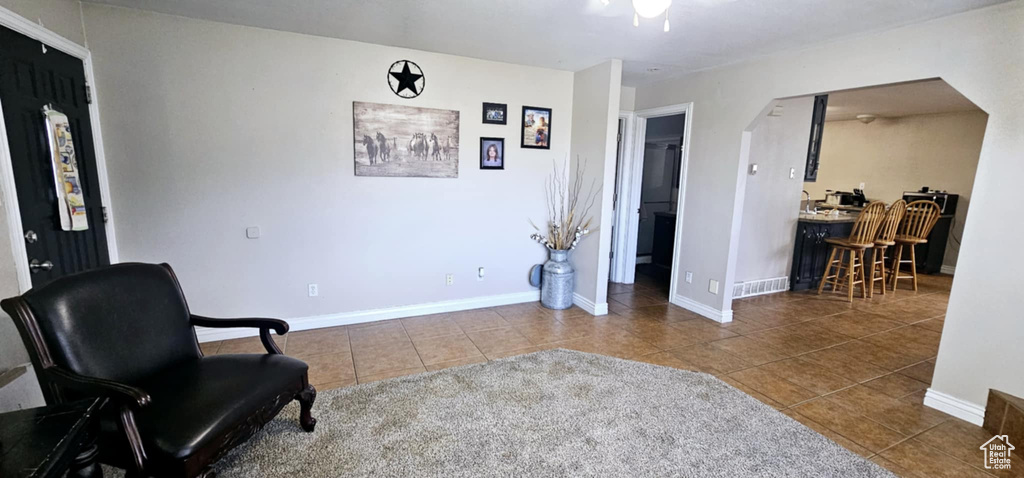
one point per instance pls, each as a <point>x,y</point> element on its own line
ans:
<point>866,118</point>
<point>648,9</point>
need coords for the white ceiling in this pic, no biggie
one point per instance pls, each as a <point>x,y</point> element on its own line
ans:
<point>574,34</point>
<point>893,101</point>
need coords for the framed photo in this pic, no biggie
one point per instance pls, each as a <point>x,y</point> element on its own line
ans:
<point>495,113</point>
<point>492,153</point>
<point>536,128</point>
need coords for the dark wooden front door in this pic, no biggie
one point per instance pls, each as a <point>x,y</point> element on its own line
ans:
<point>29,80</point>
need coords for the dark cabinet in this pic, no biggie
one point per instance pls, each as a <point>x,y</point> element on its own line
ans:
<point>814,148</point>
<point>664,239</point>
<point>810,253</point>
<point>930,254</point>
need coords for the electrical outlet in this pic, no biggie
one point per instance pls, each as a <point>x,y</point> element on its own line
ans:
<point>713,286</point>
<point>449,279</point>
<point>314,290</point>
<point>689,277</point>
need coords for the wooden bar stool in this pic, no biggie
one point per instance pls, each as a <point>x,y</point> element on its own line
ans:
<point>861,238</point>
<point>918,222</point>
<point>886,237</point>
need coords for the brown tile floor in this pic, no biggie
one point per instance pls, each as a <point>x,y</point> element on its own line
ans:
<point>854,372</point>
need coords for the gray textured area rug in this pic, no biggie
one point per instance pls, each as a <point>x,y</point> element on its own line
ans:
<point>552,413</point>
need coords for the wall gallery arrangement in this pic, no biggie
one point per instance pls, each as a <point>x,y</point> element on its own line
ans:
<point>492,153</point>
<point>405,141</point>
<point>536,131</point>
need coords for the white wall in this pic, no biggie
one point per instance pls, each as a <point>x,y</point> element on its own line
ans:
<point>771,201</point>
<point>627,99</point>
<point>981,54</point>
<point>595,113</point>
<point>210,128</point>
<point>892,155</point>
<point>62,17</point>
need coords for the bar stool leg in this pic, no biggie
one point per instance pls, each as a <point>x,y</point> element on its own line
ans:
<point>841,274</point>
<point>828,268</point>
<point>913,266</point>
<point>864,292</point>
<point>850,275</point>
<point>881,266</point>
<point>871,275</point>
<point>897,257</point>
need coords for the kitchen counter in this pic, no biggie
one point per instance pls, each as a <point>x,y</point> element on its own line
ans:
<point>827,219</point>
<point>822,206</point>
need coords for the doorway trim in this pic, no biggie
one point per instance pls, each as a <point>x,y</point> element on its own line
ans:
<point>631,179</point>
<point>26,27</point>
<point>621,271</point>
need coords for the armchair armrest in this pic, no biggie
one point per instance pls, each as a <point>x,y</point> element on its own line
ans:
<point>265,326</point>
<point>120,393</point>
<point>126,397</point>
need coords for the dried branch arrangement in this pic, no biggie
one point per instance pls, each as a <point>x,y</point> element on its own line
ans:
<point>568,208</point>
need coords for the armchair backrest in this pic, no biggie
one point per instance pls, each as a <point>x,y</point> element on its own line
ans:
<point>121,322</point>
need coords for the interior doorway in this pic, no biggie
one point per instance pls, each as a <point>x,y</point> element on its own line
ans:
<point>659,190</point>
<point>650,178</point>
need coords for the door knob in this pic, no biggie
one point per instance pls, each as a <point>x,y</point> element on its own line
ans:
<point>30,236</point>
<point>36,266</point>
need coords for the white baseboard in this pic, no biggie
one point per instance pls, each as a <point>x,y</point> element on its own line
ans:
<point>961,409</point>
<point>712,313</point>
<point>947,269</point>
<point>760,287</point>
<point>358,317</point>
<point>589,305</point>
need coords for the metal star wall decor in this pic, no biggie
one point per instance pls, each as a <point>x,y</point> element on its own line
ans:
<point>406,79</point>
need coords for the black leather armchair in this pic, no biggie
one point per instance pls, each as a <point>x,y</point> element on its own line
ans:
<point>125,332</point>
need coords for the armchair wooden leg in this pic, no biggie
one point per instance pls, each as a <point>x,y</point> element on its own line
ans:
<point>306,398</point>
<point>85,465</point>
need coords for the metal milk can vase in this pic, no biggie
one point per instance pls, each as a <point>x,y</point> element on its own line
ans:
<point>558,281</point>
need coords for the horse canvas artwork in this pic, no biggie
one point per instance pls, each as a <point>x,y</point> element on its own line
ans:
<point>405,141</point>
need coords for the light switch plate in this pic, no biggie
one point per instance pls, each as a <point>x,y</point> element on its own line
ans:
<point>792,173</point>
<point>689,277</point>
<point>713,286</point>
<point>252,232</point>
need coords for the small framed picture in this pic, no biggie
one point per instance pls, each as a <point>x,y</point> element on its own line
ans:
<point>495,113</point>
<point>536,127</point>
<point>492,153</point>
